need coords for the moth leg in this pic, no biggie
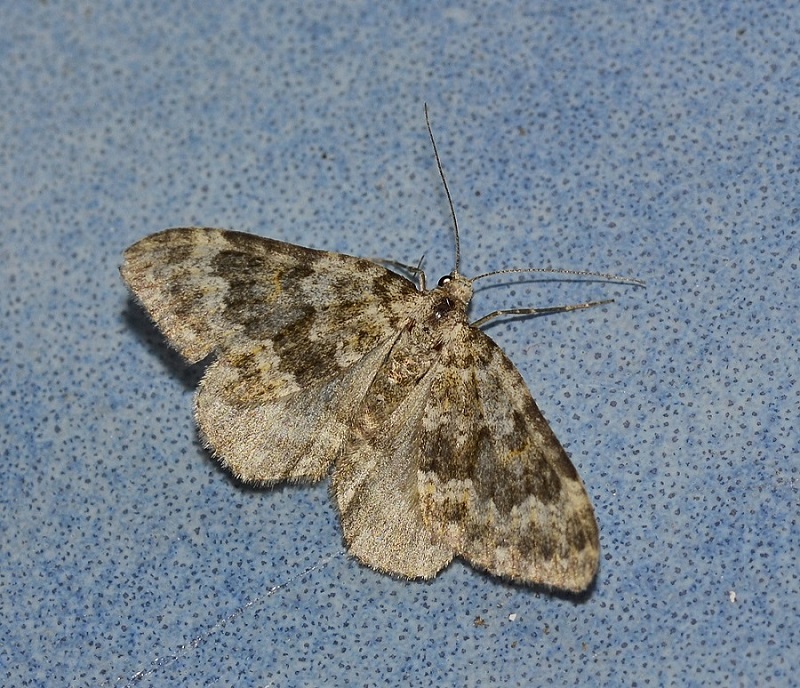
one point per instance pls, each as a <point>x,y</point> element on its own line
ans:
<point>414,270</point>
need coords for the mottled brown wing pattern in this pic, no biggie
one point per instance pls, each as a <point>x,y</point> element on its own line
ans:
<point>375,478</point>
<point>322,358</point>
<point>450,456</point>
<point>494,482</point>
<point>218,290</point>
<point>287,324</point>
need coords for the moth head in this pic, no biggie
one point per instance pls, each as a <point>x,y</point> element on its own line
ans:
<point>455,288</point>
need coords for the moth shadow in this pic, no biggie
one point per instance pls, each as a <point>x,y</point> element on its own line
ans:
<point>464,575</point>
<point>281,487</point>
<point>517,587</point>
<point>581,597</point>
<point>188,374</point>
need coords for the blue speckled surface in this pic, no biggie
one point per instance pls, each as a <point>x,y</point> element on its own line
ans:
<point>649,139</point>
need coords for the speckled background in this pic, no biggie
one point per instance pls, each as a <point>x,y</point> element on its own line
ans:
<point>640,138</point>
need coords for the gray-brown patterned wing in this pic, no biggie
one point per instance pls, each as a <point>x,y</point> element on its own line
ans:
<point>287,324</point>
<point>494,482</point>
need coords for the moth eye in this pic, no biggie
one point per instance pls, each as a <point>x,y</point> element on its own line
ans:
<point>442,308</point>
<point>444,280</point>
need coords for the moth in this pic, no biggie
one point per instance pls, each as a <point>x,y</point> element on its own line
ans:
<point>327,363</point>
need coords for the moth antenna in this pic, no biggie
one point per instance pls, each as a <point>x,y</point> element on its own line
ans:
<point>446,190</point>
<point>607,277</point>
<point>604,276</point>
